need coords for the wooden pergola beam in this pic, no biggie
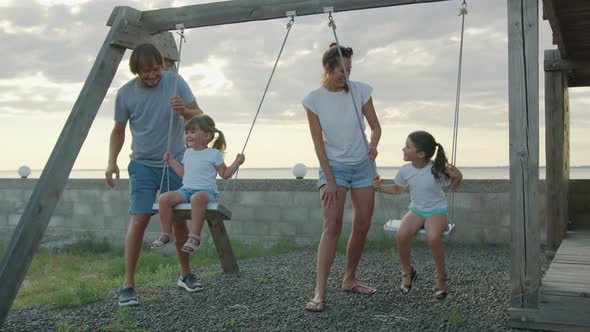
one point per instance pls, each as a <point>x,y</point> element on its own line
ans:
<point>560,64</point>
<point>550,14</point>
<point>229,12</point>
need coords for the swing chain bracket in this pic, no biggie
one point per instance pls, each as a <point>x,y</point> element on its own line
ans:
<point>330,10</point>
<point>180,26</point>
<point>291,14</point>
<point>463,10</point>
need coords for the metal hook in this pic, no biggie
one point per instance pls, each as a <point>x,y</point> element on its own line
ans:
<point>463,10</point>
<point>291,14</point>
<point>331,24</point>
<point>181,34</point>
<point>329,10</point>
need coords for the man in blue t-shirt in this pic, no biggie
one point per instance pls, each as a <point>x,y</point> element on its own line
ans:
<point>155,103</point>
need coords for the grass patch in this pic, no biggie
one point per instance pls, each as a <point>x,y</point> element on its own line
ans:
<point>453,317</point>
<point>90,245</point>
<point>232,322</point>
<point>81,273</point>
<point>63,325</point>
<point>123,322</point>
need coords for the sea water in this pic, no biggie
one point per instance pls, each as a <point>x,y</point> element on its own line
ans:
<point>488,173</point>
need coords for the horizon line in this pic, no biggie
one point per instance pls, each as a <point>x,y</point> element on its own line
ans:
<point>284,167</point>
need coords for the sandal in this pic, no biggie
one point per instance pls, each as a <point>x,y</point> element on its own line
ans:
<point>315,306</point>
<point>440,294</point>
<point>165,239</point>
<point>192,244</point>
<point>405,289</point>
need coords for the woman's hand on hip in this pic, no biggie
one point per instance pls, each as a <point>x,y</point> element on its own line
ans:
<point>372,153</point>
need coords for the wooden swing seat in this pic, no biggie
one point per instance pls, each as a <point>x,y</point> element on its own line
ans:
<point>393,225</point>
<point>215,215</point>
<point>215,211</point>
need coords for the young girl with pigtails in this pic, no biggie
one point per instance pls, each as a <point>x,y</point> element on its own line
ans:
<point>199,169</point>
<point>428,209</point>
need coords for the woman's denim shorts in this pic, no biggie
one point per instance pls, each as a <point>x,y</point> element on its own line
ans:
<point>350,176</point>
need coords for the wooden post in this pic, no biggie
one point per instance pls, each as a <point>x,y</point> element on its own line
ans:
<point>33,223</point>
<point>556,150</point>
<point>523,87</point>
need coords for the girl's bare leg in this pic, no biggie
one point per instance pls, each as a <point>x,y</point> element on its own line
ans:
<point>435,226</point>
<point>167,202</point>
<point>411,224</point>
<point>199,203</point>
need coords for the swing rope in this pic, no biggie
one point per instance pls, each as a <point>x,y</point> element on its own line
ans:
<point>462,13</point>
<point>332,25</point>
<point>289,25</point>
<point>166,170</point>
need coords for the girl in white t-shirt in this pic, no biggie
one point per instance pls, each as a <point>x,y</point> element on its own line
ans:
<point>428,208</point>
<point>199,169</point>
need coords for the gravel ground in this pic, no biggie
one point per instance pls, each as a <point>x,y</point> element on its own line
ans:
<point>269,294</point>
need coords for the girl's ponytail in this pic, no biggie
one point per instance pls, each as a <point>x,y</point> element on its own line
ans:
<point>440,161</point>
<point>219,142</point>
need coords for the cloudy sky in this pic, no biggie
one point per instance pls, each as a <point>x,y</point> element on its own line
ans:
<point>409,54</point>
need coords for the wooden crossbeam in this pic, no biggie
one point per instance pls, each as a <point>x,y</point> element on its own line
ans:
<point>229,12</point>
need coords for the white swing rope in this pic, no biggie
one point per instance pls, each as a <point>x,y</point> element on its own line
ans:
<point>235,178</point>
<point>332,25</point>
<point>172,113</point>
<point>462,13</point>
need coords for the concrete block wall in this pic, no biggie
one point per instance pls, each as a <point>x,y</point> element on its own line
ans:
<point>263,210</point>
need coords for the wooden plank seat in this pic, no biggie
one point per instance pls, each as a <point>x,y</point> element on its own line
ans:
<point>215,215</point>
<point>393,225</point>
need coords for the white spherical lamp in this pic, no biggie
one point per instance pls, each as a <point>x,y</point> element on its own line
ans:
<point>24,171</point>
<point>299,170</point>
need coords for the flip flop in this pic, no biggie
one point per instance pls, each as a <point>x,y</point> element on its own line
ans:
<point>360,289</point>
<point>315,306</point>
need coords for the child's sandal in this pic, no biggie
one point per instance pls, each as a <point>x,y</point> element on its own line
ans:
<point>440,294</point>
<point>192,244</point>
<point>164,240</point>
<point>405,289</point>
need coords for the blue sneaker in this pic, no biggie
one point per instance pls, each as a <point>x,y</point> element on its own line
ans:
<point>190,283</point>
<point>127,297</point>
